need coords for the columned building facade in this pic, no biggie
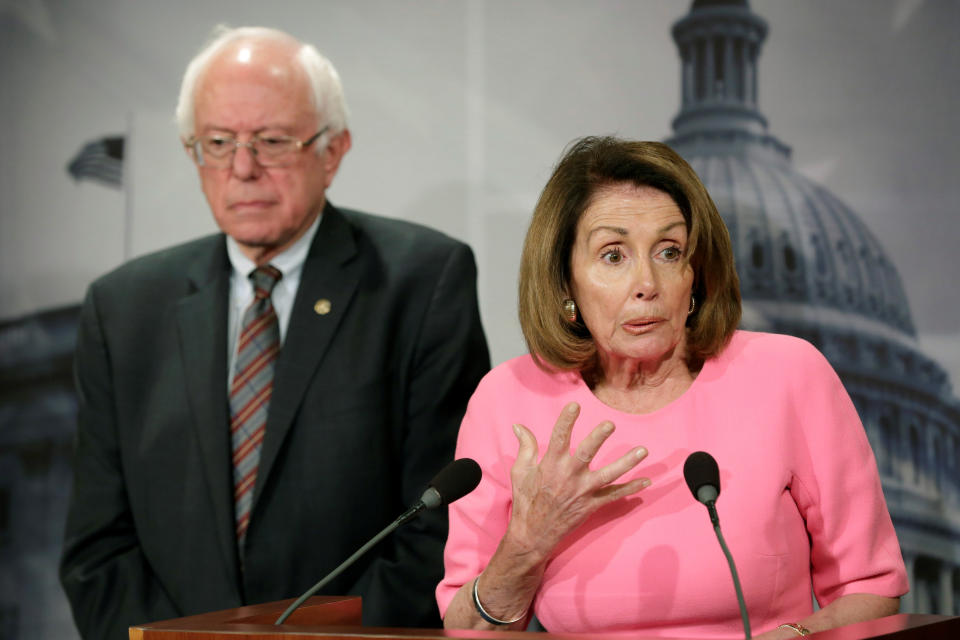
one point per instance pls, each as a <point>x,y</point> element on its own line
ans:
<point>809,267</point>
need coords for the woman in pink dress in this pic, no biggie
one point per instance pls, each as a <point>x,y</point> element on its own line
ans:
<point>629,303</point>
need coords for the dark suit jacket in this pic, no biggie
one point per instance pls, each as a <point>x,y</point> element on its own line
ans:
<point>366,405</point>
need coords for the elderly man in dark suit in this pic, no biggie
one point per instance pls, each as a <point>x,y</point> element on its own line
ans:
<point>256,404</point>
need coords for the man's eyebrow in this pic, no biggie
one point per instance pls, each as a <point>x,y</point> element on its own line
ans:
<point>232,132</point>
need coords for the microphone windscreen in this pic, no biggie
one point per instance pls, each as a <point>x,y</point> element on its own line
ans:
<point>701,470</point>
<point>456,480</point>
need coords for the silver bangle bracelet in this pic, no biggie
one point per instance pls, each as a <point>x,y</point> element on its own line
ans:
<point>483,612</point>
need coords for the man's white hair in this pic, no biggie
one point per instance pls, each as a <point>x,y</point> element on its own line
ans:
<point>324,80</point>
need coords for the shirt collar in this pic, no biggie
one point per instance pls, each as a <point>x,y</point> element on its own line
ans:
<point>289,261</point>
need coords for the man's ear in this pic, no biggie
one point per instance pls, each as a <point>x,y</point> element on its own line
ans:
<point>189,151</point>
<point>333,154</point>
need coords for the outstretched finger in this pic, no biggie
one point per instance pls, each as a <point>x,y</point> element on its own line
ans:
<point>527,451</point>
<point>621,465</point>
<point>613,492</point>
<point>559,446</point>
<point>589,446</point>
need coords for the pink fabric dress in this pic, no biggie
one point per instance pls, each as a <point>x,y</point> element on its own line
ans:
<point>800,507</point>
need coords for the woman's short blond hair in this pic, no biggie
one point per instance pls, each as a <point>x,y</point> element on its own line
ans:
<point>588,166</point>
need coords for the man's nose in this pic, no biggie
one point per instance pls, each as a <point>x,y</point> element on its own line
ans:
<point>245,165</point>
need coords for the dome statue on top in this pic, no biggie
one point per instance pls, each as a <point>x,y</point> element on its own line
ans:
<point>810,267</point>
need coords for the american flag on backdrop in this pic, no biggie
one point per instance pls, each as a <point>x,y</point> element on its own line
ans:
<point>100,160</point>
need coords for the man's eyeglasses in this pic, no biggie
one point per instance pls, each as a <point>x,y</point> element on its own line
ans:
<point>217,151</point>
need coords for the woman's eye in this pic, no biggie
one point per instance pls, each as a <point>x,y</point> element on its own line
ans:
<point>671,253</point>
<point>613,256</point>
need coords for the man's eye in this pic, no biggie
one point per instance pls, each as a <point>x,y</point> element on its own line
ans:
<point>274,143</point>
<point>218,143</point>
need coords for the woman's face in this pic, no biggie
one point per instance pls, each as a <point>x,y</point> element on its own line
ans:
<point>631,278</point>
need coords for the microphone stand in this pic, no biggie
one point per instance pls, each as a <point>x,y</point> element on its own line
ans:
<point>454,481</point>
<point>715,519</point>
<point>408,515</point>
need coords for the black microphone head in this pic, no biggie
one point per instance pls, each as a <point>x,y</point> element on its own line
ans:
<point>702,473</point>
<point>454,481</point>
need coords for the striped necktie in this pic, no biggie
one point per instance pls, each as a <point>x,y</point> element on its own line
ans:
<point>250,391</point>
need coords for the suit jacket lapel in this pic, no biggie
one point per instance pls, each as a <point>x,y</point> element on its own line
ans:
<point>202,318</point>
<point>330,273</point>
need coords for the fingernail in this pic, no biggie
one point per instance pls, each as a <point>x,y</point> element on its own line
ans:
<point>573,406</point>
<point>645,483</point>
<point>516,430</point>
<point>642,452</point>
<point>608,428</point>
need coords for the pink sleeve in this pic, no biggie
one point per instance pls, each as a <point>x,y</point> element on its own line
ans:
<point>835,484</point>
<point>479,520</point>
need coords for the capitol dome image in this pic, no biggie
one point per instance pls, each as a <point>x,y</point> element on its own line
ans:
<point>810,267</point>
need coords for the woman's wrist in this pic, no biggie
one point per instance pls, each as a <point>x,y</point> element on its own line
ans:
<point>523,549</point>
<point>519,554</point>
<point>508,584</point>
<point>486,615</point>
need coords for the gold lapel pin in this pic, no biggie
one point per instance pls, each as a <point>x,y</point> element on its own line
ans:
<point>321,307</point>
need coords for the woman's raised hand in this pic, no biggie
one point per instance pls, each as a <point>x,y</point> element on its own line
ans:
<point>551,498</point>
<point>554,496</point>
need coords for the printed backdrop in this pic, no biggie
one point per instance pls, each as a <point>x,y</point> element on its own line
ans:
<point>459,110</point>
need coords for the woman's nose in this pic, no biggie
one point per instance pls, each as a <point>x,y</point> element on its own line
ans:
<point>645,283</point>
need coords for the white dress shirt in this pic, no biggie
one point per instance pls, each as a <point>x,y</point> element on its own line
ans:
<point>289,263</point>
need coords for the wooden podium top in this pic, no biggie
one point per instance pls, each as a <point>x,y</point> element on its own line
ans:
<point>338,618</point>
